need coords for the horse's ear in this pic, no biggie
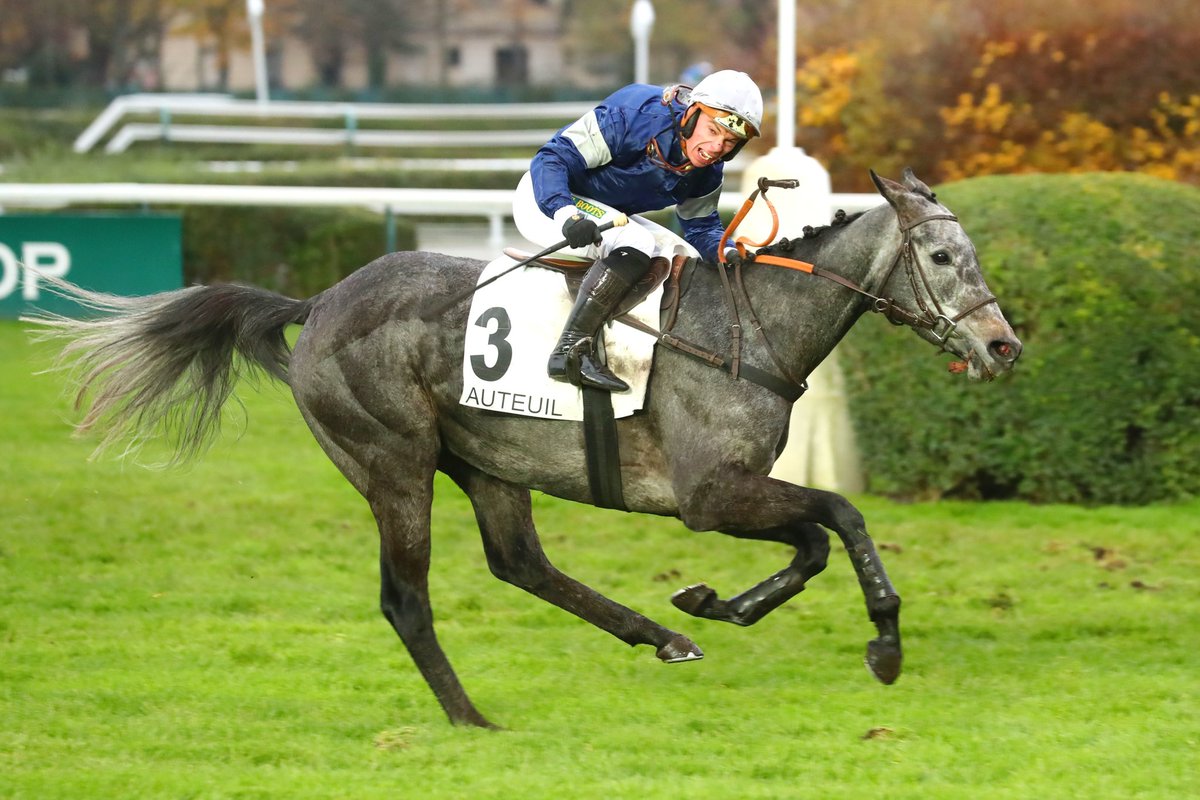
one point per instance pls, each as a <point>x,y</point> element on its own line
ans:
<point>891,191</point>
<point>915,184</point>
<point>909,201</point>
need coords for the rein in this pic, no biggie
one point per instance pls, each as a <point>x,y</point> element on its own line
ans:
<point>934,320</point>
<point>787,386</point>
<point>940,326</point>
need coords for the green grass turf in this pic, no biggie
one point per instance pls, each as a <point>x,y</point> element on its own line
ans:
<point>213,632</point>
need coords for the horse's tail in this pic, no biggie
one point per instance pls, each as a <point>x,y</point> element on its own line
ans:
<point>164,364</point>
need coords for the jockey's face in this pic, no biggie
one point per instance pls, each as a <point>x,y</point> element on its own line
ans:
<point>708,142</point>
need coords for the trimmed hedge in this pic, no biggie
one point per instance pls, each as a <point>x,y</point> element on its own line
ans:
<point>1099,274</point>
<point>296,251</point>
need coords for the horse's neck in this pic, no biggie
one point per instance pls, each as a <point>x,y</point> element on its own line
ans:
<point>807,316</point>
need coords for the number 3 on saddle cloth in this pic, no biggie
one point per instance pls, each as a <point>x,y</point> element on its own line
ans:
<point>515,322</point>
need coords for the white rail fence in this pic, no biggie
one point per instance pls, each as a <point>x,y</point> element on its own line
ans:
<point>169,106</point>
<point>494,205</point>
<point>350,137</point>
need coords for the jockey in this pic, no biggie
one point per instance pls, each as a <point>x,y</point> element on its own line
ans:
<point>642,149</point>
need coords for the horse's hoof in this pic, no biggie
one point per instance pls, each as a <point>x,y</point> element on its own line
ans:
<point>883,660</point>
<point>679,649</point>
<point>694,599</point>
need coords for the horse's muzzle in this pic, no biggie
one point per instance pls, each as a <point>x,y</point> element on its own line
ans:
<point>1005,351</point>
<point>997,358</point>
<point>986,350</point>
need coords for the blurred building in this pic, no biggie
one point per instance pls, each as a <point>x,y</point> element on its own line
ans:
<point>502,44</point>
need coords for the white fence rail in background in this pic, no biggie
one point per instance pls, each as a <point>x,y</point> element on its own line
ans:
<point>495,205</point>
<point>351,137</point>
<point>168,106</point>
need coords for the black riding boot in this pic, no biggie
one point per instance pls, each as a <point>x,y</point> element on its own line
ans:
<point>603,287</point>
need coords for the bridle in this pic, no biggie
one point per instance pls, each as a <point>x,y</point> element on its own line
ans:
<point>929,316</point>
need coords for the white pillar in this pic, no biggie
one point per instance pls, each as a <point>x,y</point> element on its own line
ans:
<point>821,451</point>
<point>641,22</point>
<point>786,75</point>
<point>254,9</point>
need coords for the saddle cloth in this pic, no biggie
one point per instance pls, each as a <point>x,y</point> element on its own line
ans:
<point>513,325</point>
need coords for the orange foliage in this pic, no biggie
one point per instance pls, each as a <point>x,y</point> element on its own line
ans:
<point>998,94</point>
<point>982,130</point>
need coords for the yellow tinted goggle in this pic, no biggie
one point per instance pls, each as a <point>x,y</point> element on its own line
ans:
<point>735,123</point>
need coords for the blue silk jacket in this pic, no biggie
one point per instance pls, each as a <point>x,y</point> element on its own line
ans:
<point>605,156</point>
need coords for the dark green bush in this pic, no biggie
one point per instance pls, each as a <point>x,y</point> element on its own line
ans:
<point>297,251</point>
<point>1100,276</point>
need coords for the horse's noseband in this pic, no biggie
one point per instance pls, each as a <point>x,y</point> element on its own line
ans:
<point>940,326</point>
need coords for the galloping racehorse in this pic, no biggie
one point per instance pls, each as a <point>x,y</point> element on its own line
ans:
<point>379,380</point>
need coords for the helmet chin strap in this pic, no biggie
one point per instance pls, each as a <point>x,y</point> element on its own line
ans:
<point>688,126</point>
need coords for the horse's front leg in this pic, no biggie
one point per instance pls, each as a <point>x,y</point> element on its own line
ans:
<point>744,504</point>
<point>812,554</point>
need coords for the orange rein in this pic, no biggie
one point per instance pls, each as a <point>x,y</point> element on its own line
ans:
<point>742,242</point>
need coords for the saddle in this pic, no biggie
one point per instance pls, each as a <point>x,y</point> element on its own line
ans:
<point>662,271</point>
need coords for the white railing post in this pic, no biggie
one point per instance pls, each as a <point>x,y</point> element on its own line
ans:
<point>496,231</point>
<point>641,23</point>
<point>254,8</point>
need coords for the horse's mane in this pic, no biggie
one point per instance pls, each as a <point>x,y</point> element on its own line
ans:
<point>810,234</point>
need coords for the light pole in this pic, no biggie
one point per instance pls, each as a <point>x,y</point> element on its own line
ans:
<point>808,204</point>
<point>641,22</point>
<point>786,75</point>
<point>821,449</point>
<point>254,9</point>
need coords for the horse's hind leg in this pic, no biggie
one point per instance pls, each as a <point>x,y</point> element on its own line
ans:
<point>404,597</point>
<point>392,464</point>
<point>812,554</point>
<point>515,555</point>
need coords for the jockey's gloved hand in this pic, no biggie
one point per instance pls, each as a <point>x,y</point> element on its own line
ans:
<point>735,259</point>
<point>580,231</point>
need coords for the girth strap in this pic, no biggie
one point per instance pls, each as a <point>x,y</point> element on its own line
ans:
<point>601,449</point>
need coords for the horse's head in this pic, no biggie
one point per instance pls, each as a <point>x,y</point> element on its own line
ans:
<point>935,284</point>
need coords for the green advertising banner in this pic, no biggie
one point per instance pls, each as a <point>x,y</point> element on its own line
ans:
<point>125,254</point>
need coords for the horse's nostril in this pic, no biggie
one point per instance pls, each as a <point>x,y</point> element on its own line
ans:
<point>1004,350</point>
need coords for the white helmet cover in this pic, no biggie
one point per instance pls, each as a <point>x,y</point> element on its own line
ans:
<point>736,93</point>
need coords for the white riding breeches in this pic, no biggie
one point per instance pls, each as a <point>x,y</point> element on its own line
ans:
<point>640,234</point>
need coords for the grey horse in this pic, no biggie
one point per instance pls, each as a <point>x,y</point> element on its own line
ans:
<point>378,380</point>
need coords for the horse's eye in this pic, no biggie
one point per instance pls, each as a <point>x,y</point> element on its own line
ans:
<point>941,257</point>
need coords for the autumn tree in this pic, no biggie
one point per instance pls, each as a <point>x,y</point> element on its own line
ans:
<point>89,42</point>
<point>102,43</point>
<point>121,34</point>
<point>985,86</point>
